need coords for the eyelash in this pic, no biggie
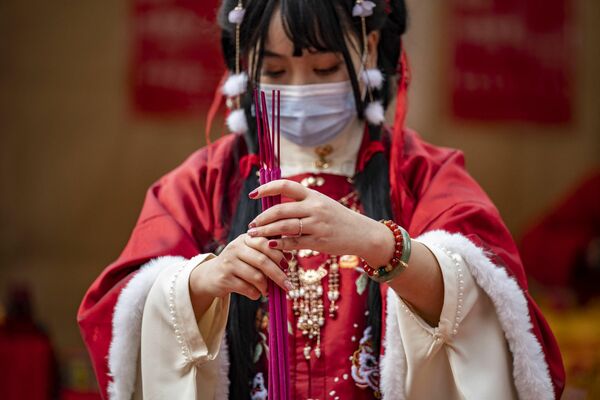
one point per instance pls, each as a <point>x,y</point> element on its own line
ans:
<point>273,74</point>
<point>326,71</point>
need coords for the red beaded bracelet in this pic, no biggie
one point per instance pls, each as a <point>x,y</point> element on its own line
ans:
<point>399,260</point>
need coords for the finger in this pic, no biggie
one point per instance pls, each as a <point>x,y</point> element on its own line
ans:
<point>264,263</point>
<point>284,187</point>
<point>242,287</point>
<point>292,243</point>
<point>251,275</point>
<point>280,211</point>
<point>261,244</point>
<point>289,227</point>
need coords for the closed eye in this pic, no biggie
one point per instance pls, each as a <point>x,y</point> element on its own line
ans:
<point>328,71</point>
<point>273,74</point>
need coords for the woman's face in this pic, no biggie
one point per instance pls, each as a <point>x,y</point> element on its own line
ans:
<point>280,67</point>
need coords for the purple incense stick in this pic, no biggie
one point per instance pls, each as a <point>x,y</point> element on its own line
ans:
<point>269,154</point>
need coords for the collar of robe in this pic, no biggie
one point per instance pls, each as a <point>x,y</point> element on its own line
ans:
<point>351,150</point>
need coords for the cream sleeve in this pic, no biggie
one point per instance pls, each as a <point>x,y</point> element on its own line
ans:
<point>466,356</point>
<point>179,355</point>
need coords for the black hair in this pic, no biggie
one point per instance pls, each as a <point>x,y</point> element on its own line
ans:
<point>322,26</point>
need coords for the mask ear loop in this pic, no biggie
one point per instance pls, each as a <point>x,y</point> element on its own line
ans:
<point>372,77</point>
<point>237,83</point>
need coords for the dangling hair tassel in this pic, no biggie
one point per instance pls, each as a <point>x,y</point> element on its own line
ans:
<point>236,121</point>
<point>374,113</point>
<point>372,78</point>
<point>235,84</point>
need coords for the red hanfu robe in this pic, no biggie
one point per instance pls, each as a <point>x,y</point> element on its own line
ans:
<point>431,191</point>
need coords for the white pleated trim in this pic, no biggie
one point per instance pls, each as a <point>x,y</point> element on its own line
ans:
<point>127,327</point>
<point>530,370</point>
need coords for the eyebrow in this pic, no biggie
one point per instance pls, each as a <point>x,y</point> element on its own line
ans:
<point>269,53</point>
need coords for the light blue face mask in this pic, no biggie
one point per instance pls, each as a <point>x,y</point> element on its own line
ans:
<point>312,115</point>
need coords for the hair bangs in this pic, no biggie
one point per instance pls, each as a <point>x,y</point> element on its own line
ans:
<point>315,25</point>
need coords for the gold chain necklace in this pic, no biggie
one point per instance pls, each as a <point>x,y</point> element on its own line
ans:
<point>307,298</point>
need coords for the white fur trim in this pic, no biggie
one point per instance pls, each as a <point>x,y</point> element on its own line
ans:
<point>375,113</point>
<point>393,362</point>
<point>235,84</point>
<point>127,327</point>
<point>372,78</point>
<point>530,370</point>
<point>236,121</point>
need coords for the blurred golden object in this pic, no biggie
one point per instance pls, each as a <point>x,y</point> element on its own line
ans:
<point>577,330</point>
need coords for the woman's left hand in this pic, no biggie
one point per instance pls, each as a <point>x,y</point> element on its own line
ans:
<point>327,225</point>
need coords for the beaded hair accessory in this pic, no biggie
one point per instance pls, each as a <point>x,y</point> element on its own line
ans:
<point>371,77</point>
<point>237,83</point>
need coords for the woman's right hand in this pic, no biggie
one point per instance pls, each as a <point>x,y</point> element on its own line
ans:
<point>244,266</point>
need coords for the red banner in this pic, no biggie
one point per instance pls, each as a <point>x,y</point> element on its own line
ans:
<point>176,61</point>
<point>513,60</point>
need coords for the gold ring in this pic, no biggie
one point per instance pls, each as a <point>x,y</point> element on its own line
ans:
<point>300,230</point>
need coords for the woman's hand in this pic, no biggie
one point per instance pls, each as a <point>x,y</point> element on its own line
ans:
<point>330,227</point>
<point>327,225</point>
<point>242,267</point>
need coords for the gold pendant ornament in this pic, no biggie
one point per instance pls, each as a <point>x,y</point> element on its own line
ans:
<point>322,152</point>
<point>307,298</point>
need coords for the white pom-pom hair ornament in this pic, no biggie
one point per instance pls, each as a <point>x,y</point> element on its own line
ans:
<point>236,16</point>
<point>236,121</point>
<point>235,85</point>
<point>374,113</point>
<point>372,78</point>
<point>363,8</point>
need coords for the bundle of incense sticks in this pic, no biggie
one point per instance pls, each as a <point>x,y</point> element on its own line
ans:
<point>269,155</point>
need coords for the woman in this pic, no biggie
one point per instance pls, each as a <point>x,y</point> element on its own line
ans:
<point>372,312</point>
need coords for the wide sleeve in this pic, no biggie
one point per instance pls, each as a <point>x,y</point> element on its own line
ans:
<point>449,210</point>
<point>178,356</point>
<point>181,216</point>
<point>466,354</point>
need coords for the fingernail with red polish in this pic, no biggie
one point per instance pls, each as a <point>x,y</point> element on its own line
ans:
<point>252,224</point>
<point>288,255</point>
<point>272,243</point>
<point>253,194</point>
